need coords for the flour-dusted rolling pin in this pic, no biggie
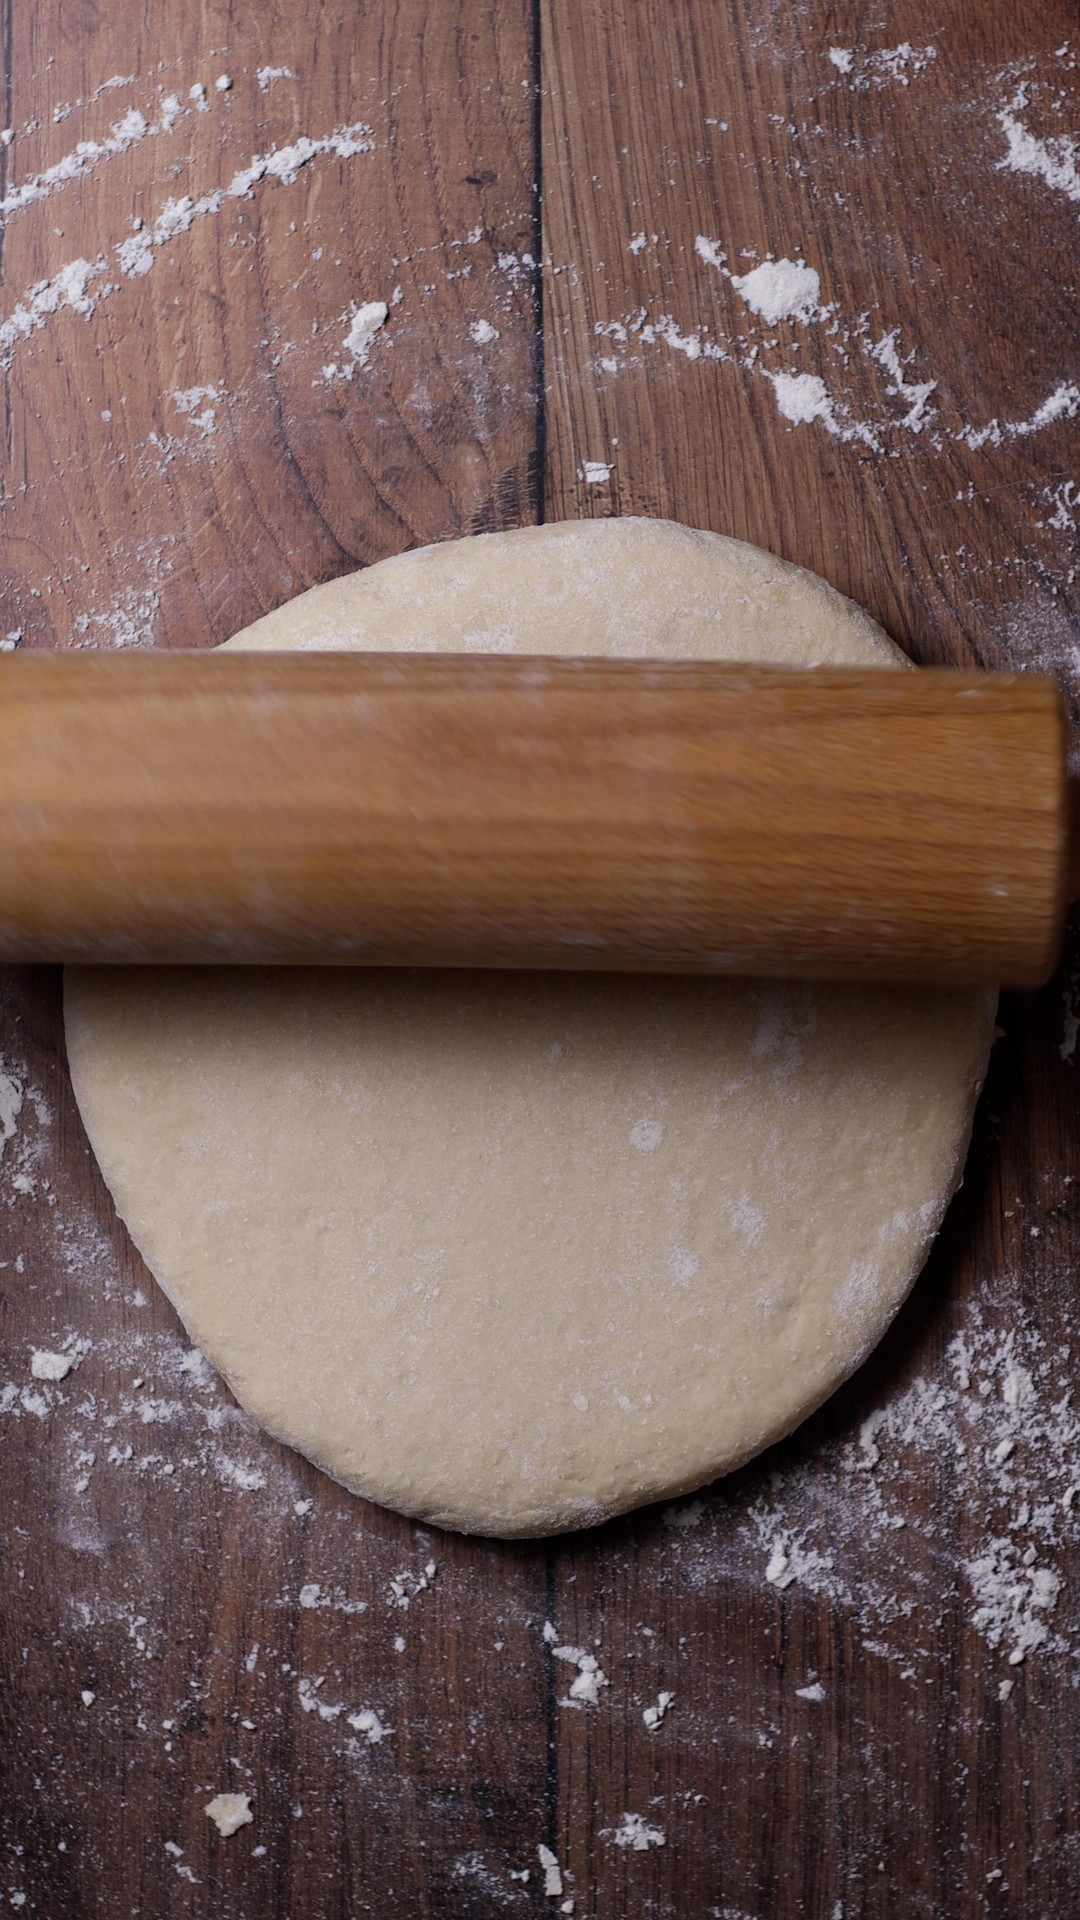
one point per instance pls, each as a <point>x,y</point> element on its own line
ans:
<point>540,812</point>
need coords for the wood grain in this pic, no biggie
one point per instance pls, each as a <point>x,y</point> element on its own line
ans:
<point>912,1788</point>
<point>458,811</point>
<point>909,1784</point>
<point>125,519</point>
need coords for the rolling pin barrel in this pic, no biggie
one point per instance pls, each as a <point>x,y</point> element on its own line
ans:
<point>542,812</point>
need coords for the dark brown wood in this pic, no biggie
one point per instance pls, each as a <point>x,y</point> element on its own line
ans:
<point>912,1788</point>
<point>476,810</point>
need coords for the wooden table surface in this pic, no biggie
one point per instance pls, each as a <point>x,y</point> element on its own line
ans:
<point>873,1635</point>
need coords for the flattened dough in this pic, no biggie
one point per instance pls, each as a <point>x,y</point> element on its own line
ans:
<point>517,1252</point>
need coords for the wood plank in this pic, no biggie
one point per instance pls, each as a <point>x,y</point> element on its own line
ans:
<point>911,1787</point>
<point>663,124</point>
<point>195,464</point>
<point>163,1576</point>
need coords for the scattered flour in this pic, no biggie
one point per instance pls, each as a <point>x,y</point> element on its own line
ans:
<point>780,290</point>
<point>66,289</point>
<point>125,134</point>
<point>229,1812</point>
<point>11,1099</point>
<point>684,1519</point>
<point>882,67</point>
<point>309,1700</point>
<point>552,1877</point>
<point>791,289</point>
<point>70,288</point>
<point>1002,1424</point>
<point>483,333</point>
<point>653,1716</point>
<point>1062,404</point>
<point>916,394</point>
<point>708,250</point>
<point>406,1587</point>
<point>199,405</point>
<point>45,1365</point>
<point>366,323</point>
<point>284,163</point>
<point>367,1722</point>
<point>636,1834</point>
<point>128,621</point>
<point>803,398</point>
<point>585,1690</point>
<point>1054,161</point>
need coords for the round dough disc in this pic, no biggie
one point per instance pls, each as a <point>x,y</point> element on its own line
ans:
<point>517,1252</point>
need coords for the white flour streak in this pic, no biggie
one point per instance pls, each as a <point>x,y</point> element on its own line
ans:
<point>136,256</point>
<point>11,1099</point>
<point>118,80</point>
<point>1053,161</point>
<point>667,330</point>
<point>1014,1598</point>
<point>917,395</point>
<point>311,1703</point>
<point>70,288</point>
<point>552,1877</point>
<point>233,1474</point>
<point>267,75</point>
<point>1062,404</point>
<point>888,65</point>
<point>125,134</point>
<point>284,163</point>
<point>708,250</point>
<point>366,1722</point>
<point>1065,500</point>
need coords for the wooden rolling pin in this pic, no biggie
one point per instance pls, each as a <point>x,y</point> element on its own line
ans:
<point>540,812</point>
